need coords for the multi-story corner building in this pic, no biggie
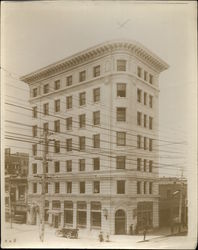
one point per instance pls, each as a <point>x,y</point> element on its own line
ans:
<point>102,107</point>
<point>16,172</point>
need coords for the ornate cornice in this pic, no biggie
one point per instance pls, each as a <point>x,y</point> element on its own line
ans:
<point>134,48</point>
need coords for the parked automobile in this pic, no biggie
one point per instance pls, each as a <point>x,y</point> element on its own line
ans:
<point>69,233</point>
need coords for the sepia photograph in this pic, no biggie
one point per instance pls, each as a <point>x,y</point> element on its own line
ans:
<point>99,124</point>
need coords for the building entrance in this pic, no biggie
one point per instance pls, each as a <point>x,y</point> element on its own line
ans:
<point>120,222</point>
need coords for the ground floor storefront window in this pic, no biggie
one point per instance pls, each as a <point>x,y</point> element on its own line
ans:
<point>81,214</point>
<point>95,214</point>
<point>68,213</point>
<point>144,214</point>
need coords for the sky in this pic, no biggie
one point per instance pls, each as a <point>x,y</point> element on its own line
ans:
<point>36,34</point>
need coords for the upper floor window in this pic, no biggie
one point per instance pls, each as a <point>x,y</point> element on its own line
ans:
<point>57,85</point>
<point>57,105</point>
<point>56,204</point>
<point>34,149</point>
<point>145,98</point>
<point>57,126</point>
<point>34,131</point>
<point>34,112</point>
<point>145,163</point>
<point>69,165</point>
<point>145,187</point>
<point>96,163</point>
<point>150,144</point>
<point>150,123</point>
<point>121,114</point>
<point>139,72</point>
<point>150,101</point>
<point>82,187</point>
<point>96,141</point>
<point>46,88</point>
<point>121,138</point>
<point>82,76</point>
<point>96,95</point>
<point>138,187</point>
<point>145,75</point>
<point>69,102</point>
<point>120,162</point>
<point>82,98</point>
<point>139,95</point>
<point>34,187</point>
<point>46,108</point>
<point>69,80</point>
<point>34,168</point>
<point>96,187</point>
<point>145,143</point>
<point>139,138</point>
<point>57,187</point>
<point>45,127</point>
<point>69,144</point>
<point>121,187</point>
<point>69,187</point>
<point>56,146</point>
<point>145,120</point>
<point>121,90</point>
<point>96,118</point>
<point>139,118</point>
<point>121,65</point>
<point>96,71</point>
<point>139,160</point>
<point>56,166</point>
<point>35,92</point>
<point>150,187</point>
<point>150,166</point>
<point>46,187</point>
<point>81,164</point>
<point>82,142</point>
<point>150,79</point>
<point>69,123</point>
<point>82,120</point>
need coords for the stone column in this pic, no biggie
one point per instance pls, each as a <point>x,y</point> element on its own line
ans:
<point>75,214</point>
<point>50,214</point>
<point>88,216</point>
<point>155,214</point>
<point>62,214</point>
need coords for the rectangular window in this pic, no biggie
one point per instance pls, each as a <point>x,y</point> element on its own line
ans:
<point>96,95</point>
<point>138,187</point>
<point>121,90</point>
<point>82,142</point>
<point>121,114</point>
<point>145,143</point>
<point>69,187</point>
<point>56,204</point>
<point>69,144</point>
<point>150,79</point>
<point>69,80</point>
<point>57,126</point>
<point>57,147</point>
<point>46,108</point>
<point>145,162</point>
<point>34,168</point>
<point>139,139</point>
<point>82,76</point>
<point>69,165</point>
<point>139,118</point>
<point>56,166</point>
<point>150,123</point>
<point>69,123</point>
<point>139,160</point>
<point>68,212</point>
<point>96,187</point>
<point>96,71</point>
<point>34,149</point>
<point>121,65</point>
<point>35,188</point>
<point>145,76</point>
<point>150,187</point>
<point>82,121</point>
<point>95,214</point>
<point>34,112</point>
<point>45,127</point>
<point>35,92</point>
<point>120,162</point>
<point>81,164</point>
<point>82,187</point>
<point>139,72</point>
<point>96,141</point>
<point>34,131</point>
<point>81,214</point>
<point>145,187</point>
<point>46,88</point>
<point>82,98</point>
<point>150,101</point>
<point>57,187</point>
<point>145,120</point>
<point>145,98</point>
<point>46,187</point>
<point>57,105</point>
<point>121,138</point>
<point>121,187</point>
<point>150,166</point>
<point>96,118</point>
<point>139,95</point>
<point>46,167</point>
<point>150,144</point>
<point>57,85</point>
<point>69,102</point>
<point>96,163</point>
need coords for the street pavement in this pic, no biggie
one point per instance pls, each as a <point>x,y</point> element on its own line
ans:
<point>27,236</point>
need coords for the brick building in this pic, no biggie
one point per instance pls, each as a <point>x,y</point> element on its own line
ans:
<point>102,106</point>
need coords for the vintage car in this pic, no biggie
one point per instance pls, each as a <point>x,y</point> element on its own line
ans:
<point>69,233</point>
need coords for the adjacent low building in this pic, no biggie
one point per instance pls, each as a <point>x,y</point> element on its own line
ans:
<point>101,109</point>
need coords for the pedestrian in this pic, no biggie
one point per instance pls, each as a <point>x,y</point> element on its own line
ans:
<point>131,229</point>
<point>144,232</point>
<point>136,229</point>
<point>101,239</point>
